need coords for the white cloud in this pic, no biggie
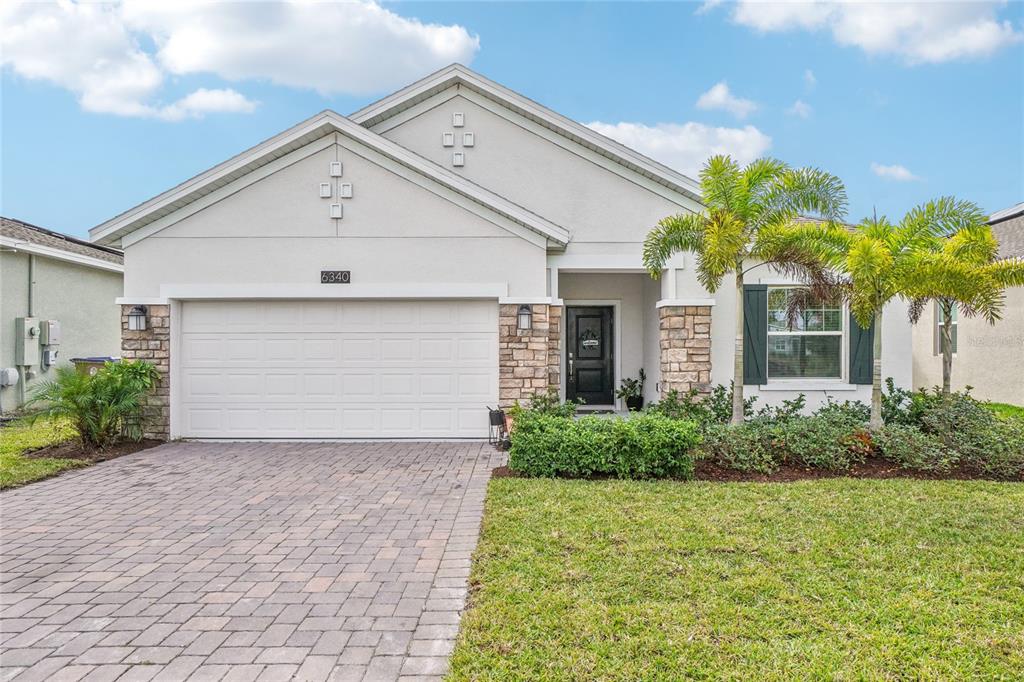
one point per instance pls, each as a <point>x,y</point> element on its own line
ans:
<point>116,58</point>
<point>800,108</point>
<point>894,172</point>
<point>719,97</point>
<point>204,101</point>
<point>685,146</point>
<point>336,47</point>
<point>810,79</point>
<point>918,32</point>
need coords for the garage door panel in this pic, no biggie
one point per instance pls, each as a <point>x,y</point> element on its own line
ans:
<point>358,369</point>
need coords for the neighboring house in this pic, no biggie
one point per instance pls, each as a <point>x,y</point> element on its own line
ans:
<point>50,277</point>
<point>987,357</point>
<point>451,247</point>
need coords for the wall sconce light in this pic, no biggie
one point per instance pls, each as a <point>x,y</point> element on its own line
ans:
<point>137,318</point>
<point>524,319</point>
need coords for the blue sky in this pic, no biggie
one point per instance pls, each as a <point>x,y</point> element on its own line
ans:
<point>904,102</point>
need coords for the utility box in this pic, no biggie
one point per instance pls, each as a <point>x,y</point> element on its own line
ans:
<point>26,341</point>
<point>49,332</point>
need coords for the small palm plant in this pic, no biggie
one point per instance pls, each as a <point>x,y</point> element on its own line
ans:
<point>970,251</point>
<point>881,262</point>
<point>104,407</point>
<point>745,224</point>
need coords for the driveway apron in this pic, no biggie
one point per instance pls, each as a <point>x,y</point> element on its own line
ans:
<point>243,561</point>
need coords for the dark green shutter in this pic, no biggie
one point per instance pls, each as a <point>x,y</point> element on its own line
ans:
<point>861,351</point>
<point>755,334</point>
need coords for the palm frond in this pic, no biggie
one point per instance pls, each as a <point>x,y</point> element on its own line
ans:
<point>681,232</point>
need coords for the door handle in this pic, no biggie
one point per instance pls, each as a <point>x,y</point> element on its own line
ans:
<point>570,367</point>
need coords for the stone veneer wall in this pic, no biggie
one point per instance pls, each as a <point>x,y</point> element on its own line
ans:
<point>685,337</point>
<point>152,345</point>
<point>529,359</point>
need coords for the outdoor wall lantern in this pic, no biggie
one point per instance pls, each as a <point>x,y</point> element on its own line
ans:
<point>137,318</point>
<point>525,317</point>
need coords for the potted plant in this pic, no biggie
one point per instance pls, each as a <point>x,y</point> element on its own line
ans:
<point>632,391</point>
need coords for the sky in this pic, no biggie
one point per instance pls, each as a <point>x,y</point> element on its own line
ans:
<point>105,106</point>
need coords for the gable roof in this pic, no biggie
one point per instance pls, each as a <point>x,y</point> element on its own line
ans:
<point>439,81</point>
<point>310,130</point>
<point>30,238</point>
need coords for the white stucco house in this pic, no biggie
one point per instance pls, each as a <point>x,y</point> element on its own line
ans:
<point>453,246</point>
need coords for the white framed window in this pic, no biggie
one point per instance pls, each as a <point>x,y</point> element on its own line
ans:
<point>939,319</point>
<point>809,346</point>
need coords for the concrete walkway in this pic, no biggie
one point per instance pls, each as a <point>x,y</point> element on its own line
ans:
<point>243,561</point>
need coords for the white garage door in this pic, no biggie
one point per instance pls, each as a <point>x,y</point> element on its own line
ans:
<point>329,369</point>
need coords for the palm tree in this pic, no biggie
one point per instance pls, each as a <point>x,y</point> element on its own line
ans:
<point>971,250</point>
<point>881,262</point>
<point>747,216</point>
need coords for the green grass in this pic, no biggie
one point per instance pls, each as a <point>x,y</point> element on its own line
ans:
<point>835,579</point>
<point>21,436</point>
<point>1006,409</point>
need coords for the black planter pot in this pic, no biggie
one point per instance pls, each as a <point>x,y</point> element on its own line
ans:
<point>635,404</point>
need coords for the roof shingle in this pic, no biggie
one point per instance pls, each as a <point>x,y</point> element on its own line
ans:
<point>32,234</point>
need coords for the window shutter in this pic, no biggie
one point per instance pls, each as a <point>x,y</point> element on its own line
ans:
<point>755,334</point>
<point>861,351</point>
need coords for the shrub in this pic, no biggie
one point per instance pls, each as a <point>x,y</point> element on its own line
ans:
<point>549,403</point>
<point>642,446</point>
<point>909,447</point>
<point>747,447</point>
<point>715,408</point>
<point>830,441</point>
<point>789,409</point>
<point>1005,458</point>
<point>854,410</point>
<point>103,407</point>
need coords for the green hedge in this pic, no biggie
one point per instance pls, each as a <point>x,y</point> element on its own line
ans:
<point>641,446</point>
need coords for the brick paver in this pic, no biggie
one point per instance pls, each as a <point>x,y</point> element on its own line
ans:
<point>243,561</point>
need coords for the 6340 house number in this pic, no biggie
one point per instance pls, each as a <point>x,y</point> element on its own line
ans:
<point>335,277</point>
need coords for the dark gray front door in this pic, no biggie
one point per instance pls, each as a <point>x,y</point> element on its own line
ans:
<point>588,355</point>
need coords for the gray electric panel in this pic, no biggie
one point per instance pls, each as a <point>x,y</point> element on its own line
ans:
<point>26,341</point>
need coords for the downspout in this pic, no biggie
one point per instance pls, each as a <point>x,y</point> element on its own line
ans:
<point>23,379</point>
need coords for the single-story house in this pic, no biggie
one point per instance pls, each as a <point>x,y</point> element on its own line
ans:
<point>56,303</point>
<point>987,357</point>
<point>453,246</point>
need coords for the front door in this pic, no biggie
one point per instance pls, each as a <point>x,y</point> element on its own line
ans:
<point>589,358</point>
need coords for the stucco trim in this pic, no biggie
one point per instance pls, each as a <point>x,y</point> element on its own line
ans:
<point>457,290</point>
<point>58,254</point>
<point>431,85</point>
<point>672,302</point>
<point>294,139</point>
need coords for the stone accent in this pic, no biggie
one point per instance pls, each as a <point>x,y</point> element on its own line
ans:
<point>685,337</point>
<point>528,359</point>
<point>154,346</point>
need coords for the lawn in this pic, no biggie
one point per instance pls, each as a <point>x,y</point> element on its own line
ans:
<point>21,436</point>
<point>836,579</point>
<point>1006,409</point>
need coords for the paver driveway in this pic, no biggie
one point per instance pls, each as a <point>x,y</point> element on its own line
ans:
<point>243,561</point>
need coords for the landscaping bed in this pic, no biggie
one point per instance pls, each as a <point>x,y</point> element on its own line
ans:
<point>74,449</point>
<point>824,579</point>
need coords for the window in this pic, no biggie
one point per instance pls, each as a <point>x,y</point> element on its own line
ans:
<point>810,346</point>
<point>939,318</point>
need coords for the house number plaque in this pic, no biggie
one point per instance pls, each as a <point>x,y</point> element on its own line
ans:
<point>335,277</point>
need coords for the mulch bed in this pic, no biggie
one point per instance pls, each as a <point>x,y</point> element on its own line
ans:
<point>871,468</point>
<point>73,449</point>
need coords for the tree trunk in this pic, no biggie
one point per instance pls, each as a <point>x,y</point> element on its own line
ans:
<point>737,379</point>
<point>947,345</point>
<point>876,374</point>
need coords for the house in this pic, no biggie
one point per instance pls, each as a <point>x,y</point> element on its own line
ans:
<point>56,303</point>
<point>986,357</point>
<point>452,246</point>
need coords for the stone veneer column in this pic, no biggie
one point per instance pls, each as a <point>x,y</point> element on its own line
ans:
<point>685,336</point>
<point>154,346</point>
<point>528,359</point>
